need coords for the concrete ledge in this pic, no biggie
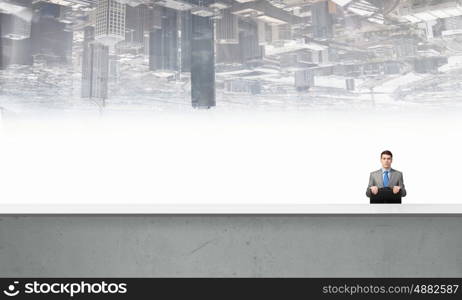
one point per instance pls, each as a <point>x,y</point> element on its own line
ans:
<point>204,208</point>
<point>234,246</point>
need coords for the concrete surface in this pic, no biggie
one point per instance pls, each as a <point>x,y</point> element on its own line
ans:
<point>198,246</point>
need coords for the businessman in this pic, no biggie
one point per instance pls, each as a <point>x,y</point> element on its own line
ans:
<point>386,177</point>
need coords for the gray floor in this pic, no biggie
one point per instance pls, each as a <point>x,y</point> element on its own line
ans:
<point>197,246</point>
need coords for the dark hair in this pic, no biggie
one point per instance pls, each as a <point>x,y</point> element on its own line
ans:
<point>386,152</point>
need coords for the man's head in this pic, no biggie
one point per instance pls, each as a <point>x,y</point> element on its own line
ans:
<point>386,158</point>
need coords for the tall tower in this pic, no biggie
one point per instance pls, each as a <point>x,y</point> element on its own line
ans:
<point>202,63</point>
<point>15,32</point>
<point>185,40</point>
<point>95,67</point>
<point>321,19</point>
<point>249,42</point>
<point>163,47</point>
<point>110,22</point>
<point>1,45</point>
<point>226,28</point>
<point>134,26</point>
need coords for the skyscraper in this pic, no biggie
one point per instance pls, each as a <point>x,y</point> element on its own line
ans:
<point>185,41</point>
<point>88,37</point>
<point>202,63</point>
<point>110,22</point>
<point>1,46</point>
<point>163,43</point>
<point>226,29</point>
<point>321,20</point>
<point>250,46</point>
<point>95,67</point>
<point>15,32</point>
<point>249,41</point>
<point>51,41</point>
<point>134,26</point>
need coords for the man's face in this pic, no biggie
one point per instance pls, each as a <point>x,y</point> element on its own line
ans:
<point>386,161</point>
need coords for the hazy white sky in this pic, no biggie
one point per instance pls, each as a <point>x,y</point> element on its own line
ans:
<point>219,157</point>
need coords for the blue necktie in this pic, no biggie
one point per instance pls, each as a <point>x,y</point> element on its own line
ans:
<point>385,179</point>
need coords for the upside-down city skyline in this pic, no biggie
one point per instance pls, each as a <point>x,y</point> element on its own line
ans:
<point>64,54</point>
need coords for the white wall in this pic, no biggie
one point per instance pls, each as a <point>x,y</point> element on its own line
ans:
<point>219,157</point>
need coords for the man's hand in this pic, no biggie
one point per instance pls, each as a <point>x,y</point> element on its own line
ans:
<point>396,189</point>
<point>374,190</point>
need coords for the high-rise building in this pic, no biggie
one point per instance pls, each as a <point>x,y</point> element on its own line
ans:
<point>226,28</point>
<point>261,32</point>
<point>110,22</point>
<point>153,18</point>
<point>146,45</point>
<point>155,50</point>
<point>88,38</point>
<point>185,40</point>
<point>1,48</point>
<point>134,26</point>
<point>202,63</point>
<point>163,43</point>
<point>249,48</point>
<point>95,67</point>
<point>48,9</point>
<point>15,31</point>
<point>249,42</point>
<point>51,41</point>
<point>321,20</point>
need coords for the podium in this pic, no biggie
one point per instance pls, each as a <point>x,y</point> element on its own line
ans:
<point>385,195</point>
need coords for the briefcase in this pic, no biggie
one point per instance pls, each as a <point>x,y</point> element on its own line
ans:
<point>386,195</point>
